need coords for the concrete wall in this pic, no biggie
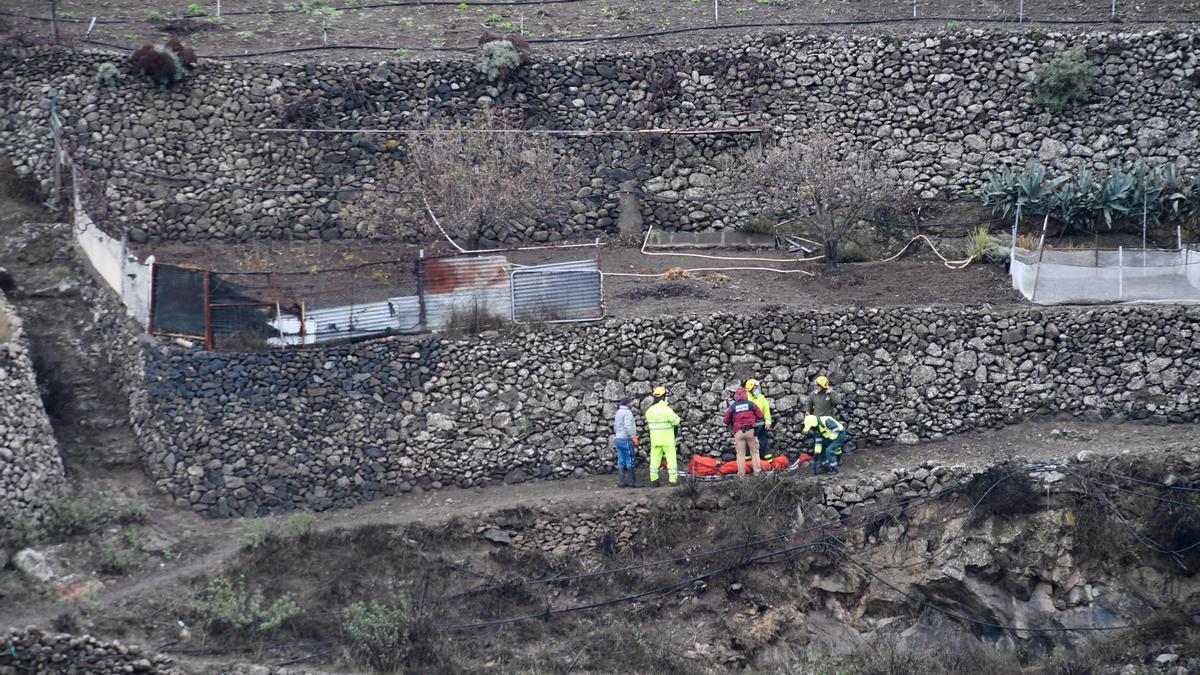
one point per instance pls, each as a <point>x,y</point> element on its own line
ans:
<point>942,108</point>
<point>31,471</point>
<point>251,434</point>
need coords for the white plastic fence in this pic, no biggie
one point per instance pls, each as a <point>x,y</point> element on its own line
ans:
<point>1054,276</point>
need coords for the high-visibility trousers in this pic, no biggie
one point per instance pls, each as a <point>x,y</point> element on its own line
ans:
<point>657,453</point>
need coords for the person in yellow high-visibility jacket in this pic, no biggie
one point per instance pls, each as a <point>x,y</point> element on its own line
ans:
<point>662,423</point>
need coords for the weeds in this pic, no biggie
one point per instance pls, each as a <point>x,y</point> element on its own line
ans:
<point>378,634</point>
<point>1065,80</point>
<point>853,252</point>
<point>227,607</point>
<point>255,533</point>
<point>154,16</point>
<point>195,9</point>
<point>114,561</point>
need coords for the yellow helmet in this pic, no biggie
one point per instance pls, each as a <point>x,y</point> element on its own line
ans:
<point>751,384</point>
<point>659,392</point>
<point>822,382</point>
<point>810,421</point>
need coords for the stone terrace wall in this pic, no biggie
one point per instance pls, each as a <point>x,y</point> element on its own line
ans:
<point>31,469</point>
<point>256,433</point>
<point>943,108</point>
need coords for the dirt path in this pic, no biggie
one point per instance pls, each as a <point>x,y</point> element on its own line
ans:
<point>403,30</point>
<point>211,543</point>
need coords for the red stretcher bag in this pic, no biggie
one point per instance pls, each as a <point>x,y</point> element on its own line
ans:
<point>699,465</point>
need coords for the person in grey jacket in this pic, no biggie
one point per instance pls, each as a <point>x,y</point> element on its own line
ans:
<point>625,428</point>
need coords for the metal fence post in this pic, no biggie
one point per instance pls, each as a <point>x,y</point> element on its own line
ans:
<point>1120,272</point>
<point>420,272</point>
<point>208,331</point>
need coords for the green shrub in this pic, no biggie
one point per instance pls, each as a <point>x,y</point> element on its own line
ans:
<point>759,226</point>
<point>1065,80</point>
<point>228,607</point>
<point>195,9</point>
<point>107,74</point>
<point>155,15</point>
<point>114,561</point>
<point>379,634</point>
<point>853,252</point>
<point>497,59</point>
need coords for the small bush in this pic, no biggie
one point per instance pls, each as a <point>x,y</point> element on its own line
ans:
<point>1065,80</point>
<point>759,226</point>
<point>853,252</point>
<point>165,64</point>
<point>158,63</point>
<point>108,75</point>
<point>1177,528</point>
<point>378,634</point>
<point>226,607</point>
<point>187,56</point>
<point>498,60</point>
<point>114,561</point>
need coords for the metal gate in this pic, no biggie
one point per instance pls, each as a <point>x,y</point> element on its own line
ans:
<point>570,291</point>
<point>179,301</point>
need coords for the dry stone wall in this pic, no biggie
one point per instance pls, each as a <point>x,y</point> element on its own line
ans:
<point>247,434</point>
<point>31,470</point>
<point>34,651</point>
<point>942,108</point>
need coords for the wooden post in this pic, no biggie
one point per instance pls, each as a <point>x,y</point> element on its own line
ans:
<point>1041,254</point>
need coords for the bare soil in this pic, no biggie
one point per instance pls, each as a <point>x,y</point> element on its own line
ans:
<point>342,271</point>
<point>405,29</point>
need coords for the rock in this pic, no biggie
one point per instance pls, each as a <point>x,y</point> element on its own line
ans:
<point>1164,659</point>
<point>497,536</point>
<point>35,565</point>
<point>908,438</point>
<point>515,476</point>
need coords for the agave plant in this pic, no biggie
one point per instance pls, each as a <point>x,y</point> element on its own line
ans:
<point>1074,201</point>
<point>1116,193</point>
<point>1034,192</point>
<point>1177,196</point>
<point>1000,192</point>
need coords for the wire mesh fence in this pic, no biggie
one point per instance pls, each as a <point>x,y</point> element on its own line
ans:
<point>1080,276</point>
<point>249,311</point>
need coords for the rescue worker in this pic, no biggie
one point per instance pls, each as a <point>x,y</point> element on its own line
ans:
<point>662,423</point>
<point>626,443</point>
<point>742,417</point>
<point>829,435</point>
<point>821,401</point>
<point>756,397</point>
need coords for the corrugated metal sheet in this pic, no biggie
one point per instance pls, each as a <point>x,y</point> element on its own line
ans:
<point>461,287</point>
<point>570,291</point>
<point>394,315</point>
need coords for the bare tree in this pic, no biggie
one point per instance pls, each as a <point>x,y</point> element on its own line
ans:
<point>479,177</point>
<point>824,184</point>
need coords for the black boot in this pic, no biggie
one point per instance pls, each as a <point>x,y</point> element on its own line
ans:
<point>654,482</point>
<point>622,478</point>
<point>633,481</point>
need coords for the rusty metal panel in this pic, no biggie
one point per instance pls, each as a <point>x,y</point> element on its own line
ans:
<point>465,286</point>
<point>569,291</point>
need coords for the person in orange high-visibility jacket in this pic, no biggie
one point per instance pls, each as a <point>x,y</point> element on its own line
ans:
<point>662,422</point>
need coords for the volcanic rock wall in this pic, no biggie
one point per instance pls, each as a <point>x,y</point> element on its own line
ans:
<point>257,433</point>
<point>31,470</point>
<point>942,108</point>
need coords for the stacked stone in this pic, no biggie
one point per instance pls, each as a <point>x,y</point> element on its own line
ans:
<point>583,531</point>
<point>251,434</point>
<point>943,109</point>
<point>31,470</point>
<point>35,652</point>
